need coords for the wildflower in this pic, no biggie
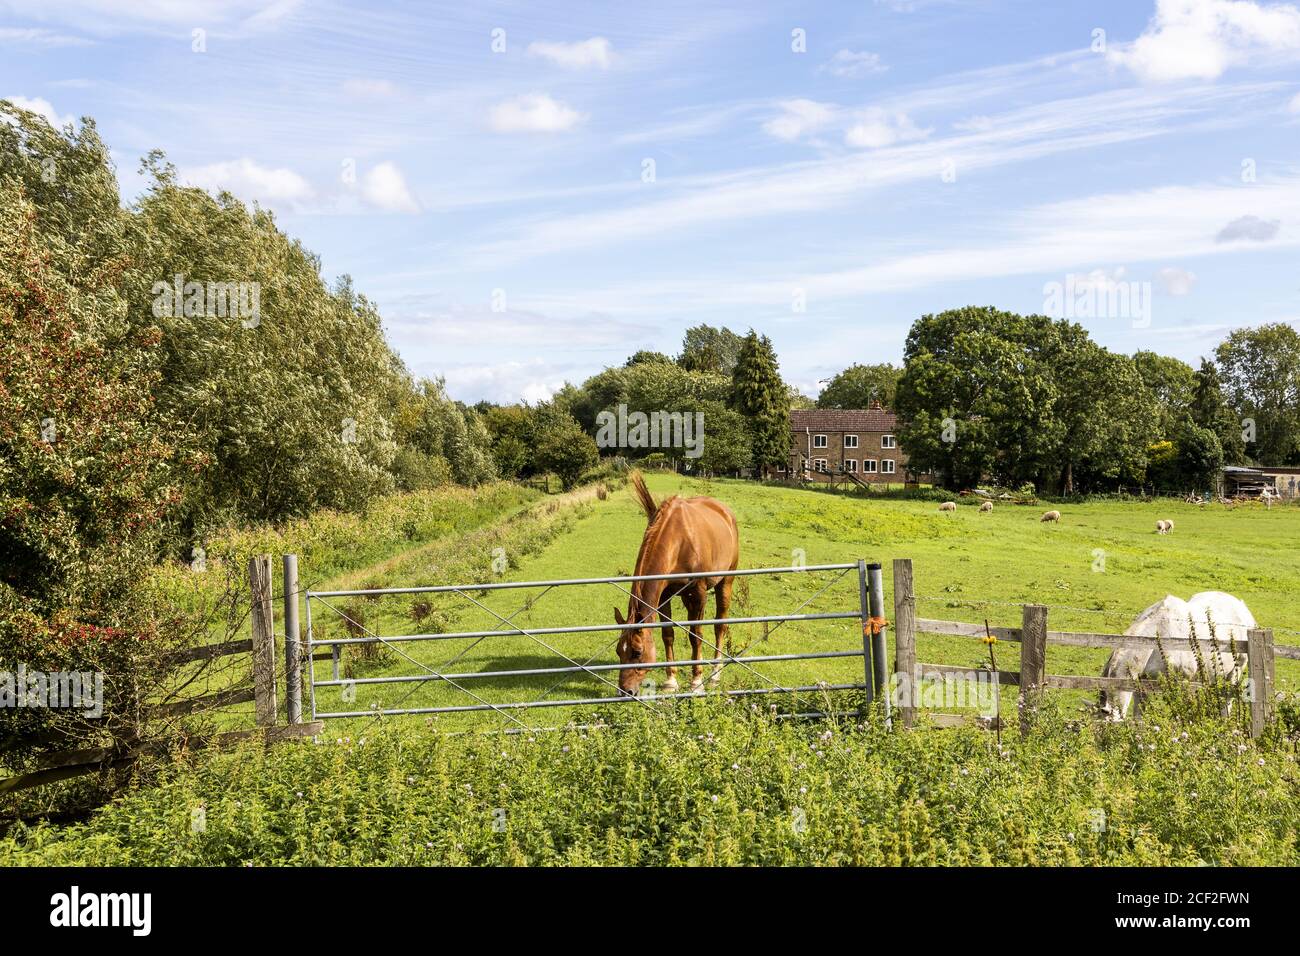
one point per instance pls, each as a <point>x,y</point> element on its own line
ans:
<point>965,772</point>
<point>564,749</point>
<point>988,640</point>
<point>714,798</point>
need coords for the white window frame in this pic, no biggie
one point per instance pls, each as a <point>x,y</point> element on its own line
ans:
<point>819,464</point>
<point>850,441</point>
<point>888,441</point>
<point>819,441</point>
<point>851,465</point>
<point>887,466</point>
<point>868,466</point>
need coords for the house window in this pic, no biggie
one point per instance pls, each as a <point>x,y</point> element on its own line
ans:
<point>781,469</point>
<point>887,466</point>
<point>819,464</point>
<point>888,441</point>
<point>850,464</point>
<point>850,441</point>
<point>819,441</point>
<point>869,465</point>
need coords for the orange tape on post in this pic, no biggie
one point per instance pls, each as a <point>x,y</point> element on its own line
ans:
<point>875,625</point>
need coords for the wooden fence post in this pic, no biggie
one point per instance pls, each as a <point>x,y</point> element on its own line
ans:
<point>259,578</point>
<point>1259,652</point>
<point>1033,661</point>
<point>292,642</point>
<point>905,640</point>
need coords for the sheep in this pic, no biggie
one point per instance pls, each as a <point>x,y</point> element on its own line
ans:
<point>1050,516</point>
<point>1169,525</point>
<point>948,506</point>
<point>1162,526</point>
<point>987,506</point>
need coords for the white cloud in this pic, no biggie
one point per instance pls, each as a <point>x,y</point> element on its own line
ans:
<point>113,16</point>
<point>367,88</point>
<point>1176,281</point>
<point>1098,280</point>
<point>41,107</point>
<point>532,381</point>
<point>35,36</point>
<point>1052,128</point>
<point>251,181</point>
<point>1201,39</point>
<point>582,55</point>
<point>877,127</point>
<point>1294,105</point>
<point>385,187</point>
<point>533,113</point>
<point>849,65</point>
<point>798,118</point>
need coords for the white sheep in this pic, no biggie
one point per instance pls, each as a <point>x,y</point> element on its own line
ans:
<point>987,506</point>
<point>948,506</point>
<point>1050,516</point>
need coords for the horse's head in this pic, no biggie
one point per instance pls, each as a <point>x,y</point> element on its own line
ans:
<point>635,646</point>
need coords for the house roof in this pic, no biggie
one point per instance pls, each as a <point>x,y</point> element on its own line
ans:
<point>843,419</point>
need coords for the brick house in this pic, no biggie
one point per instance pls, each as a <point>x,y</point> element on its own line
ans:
<point>830,442</point>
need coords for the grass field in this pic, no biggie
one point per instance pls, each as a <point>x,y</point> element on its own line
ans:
<point>1097,569</point>
<point>715,782</point>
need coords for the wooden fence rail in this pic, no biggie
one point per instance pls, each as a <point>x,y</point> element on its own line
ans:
<point>65,764</point>
<point>1033,637</point>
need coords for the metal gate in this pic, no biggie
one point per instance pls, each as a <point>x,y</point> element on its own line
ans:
<point>868,615</point>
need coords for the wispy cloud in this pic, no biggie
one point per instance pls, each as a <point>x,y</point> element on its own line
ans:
<point>39,37</point>
<point>596,53</point>
<point>851,65</point>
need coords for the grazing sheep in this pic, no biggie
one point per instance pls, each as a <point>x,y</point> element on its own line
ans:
<point>1050,516</point>
<point>1169,525</point>
<point>987,506</point>
<point>1208,615</point>
<point>948,506</point>
<point>1164,527</point>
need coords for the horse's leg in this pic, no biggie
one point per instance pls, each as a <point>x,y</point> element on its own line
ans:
<point>665,614</point>
<point>722,603</point>
<point>694,601</point>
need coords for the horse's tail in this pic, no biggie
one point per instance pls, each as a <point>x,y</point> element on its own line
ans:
<point>643,495</point>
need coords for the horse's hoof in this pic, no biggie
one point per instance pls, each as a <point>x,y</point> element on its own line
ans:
<point>697,687</point>
<point>715,678</point>
<point>669,687</point>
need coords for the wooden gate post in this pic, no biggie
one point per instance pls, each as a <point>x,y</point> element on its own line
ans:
<point>905,677</point>
<point>292,642</point>
<point>1033,661</point>
<point>1259,653</point>
<point>259,579</point>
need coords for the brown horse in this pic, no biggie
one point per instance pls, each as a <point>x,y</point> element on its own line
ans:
<point>684,535</point>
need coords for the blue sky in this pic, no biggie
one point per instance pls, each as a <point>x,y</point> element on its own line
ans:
<point>873,161</point>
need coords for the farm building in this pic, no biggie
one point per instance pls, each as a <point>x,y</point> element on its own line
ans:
<point>1281,481</point>
<point>858,443</point>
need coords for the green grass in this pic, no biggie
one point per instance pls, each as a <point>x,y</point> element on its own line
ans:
<point>704,781</point>
<point>713,785</point>
<point>1097,569</point>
